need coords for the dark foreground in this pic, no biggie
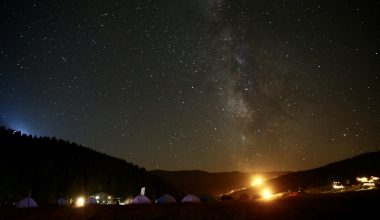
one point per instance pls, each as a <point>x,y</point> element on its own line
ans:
<point>324,206</point>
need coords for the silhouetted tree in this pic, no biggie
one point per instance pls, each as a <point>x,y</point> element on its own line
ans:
<point>51,168</point>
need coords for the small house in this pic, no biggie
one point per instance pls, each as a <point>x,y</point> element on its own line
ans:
<point>103,198</point>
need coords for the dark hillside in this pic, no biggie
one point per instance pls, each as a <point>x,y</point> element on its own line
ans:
<point>201,182</point>
<point>344,171</point>
<point>321,178</point>
<point>49,168</point>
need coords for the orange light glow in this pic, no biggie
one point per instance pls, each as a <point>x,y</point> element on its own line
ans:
<point>257,181</point>
<point>80,202</point>
<point>267,194</point>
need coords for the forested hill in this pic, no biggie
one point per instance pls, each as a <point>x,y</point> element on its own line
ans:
<point>321,178</point>
<point>49,169</point>
<point>203,183</point>
<point>345,171</point>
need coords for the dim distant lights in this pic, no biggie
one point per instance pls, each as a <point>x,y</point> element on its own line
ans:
<point>257,181</point>
<point>80,201</point>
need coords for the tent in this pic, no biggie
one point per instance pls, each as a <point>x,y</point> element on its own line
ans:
<point>91,201</point>
<point>140,199</point>
<point>62,201</point>
<point>26,202</point>
<point>206,198</point>
<point>191,198</point>
<point>166,199</point>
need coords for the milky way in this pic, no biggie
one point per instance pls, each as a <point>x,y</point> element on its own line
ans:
<point>216,85</point>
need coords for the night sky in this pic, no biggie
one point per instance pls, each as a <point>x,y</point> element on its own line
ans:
<point>217,85</point>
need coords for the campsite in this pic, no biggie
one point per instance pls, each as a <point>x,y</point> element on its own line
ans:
<point>322,206</point>
<point>189,109</point>
<point>344,188</point>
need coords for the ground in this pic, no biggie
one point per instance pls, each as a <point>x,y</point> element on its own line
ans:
<point>321,206</point>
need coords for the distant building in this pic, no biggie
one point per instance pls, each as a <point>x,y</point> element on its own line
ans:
<point>337,185</point>
<point>368,182</point>
<point>103,198</point>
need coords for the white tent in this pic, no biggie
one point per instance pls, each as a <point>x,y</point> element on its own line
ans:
<point>191,198</point>
<point>166,199</point>
<point>26,202</point>
<point>140,199</point>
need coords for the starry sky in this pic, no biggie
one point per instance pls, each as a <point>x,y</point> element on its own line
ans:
<point>217,85</point>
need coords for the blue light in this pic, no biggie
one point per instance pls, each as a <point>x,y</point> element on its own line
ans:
<point>21,128</point>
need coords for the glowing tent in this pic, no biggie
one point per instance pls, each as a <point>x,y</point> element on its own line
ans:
<point>91,201</point>
<point>191,199</point>
<point>166,199</point>
<point>140,199</point>
<point>26,202</point>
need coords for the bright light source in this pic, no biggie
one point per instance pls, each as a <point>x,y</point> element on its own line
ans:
<point>266,194</point>
<point>257,181</point>
<point>97,197</point>
<point>369,184</point>
<point>337,185</point>
<point>362,179</point>
<point>80,201</point>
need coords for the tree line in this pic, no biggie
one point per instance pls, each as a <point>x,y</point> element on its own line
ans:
<point>50,168</point>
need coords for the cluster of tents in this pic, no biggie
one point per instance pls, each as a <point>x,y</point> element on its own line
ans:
<point>165,199</point>
<point>29,202</point>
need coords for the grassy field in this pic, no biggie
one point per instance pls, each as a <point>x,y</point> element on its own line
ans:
<point>322,206</point>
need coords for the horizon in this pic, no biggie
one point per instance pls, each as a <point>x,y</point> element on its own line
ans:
<point>194,170</point>
<point>216,85</point>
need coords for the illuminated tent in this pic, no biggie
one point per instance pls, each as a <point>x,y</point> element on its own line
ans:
<point>140,199</point>
<point>191,199</point>
<point>166,199</point>
<point>91,200</point>
<point>26,202</point>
